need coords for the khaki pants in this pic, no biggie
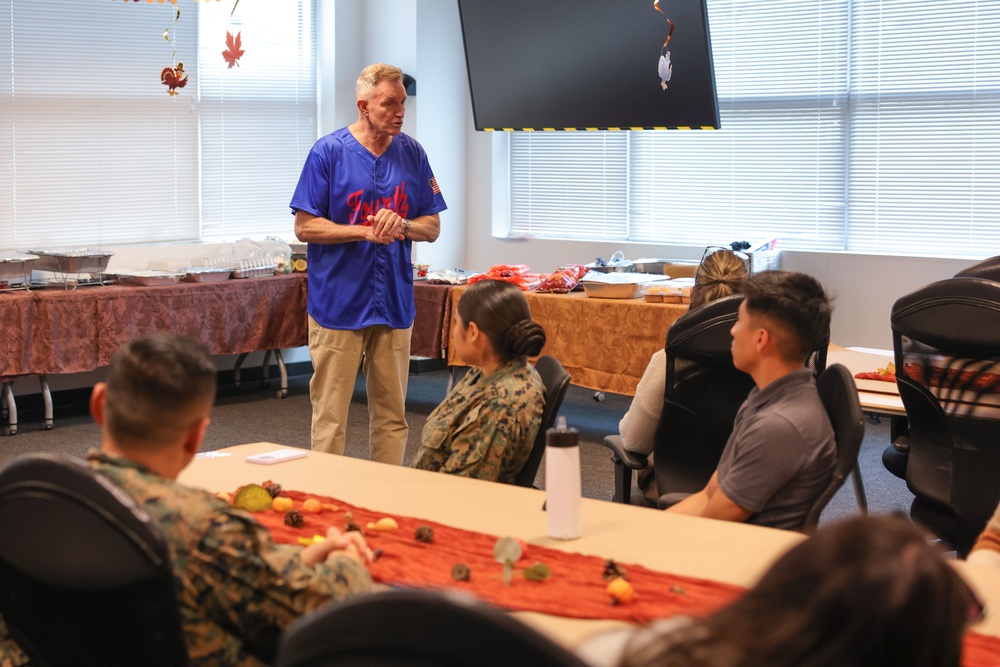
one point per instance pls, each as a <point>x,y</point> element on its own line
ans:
<point>336,356</point>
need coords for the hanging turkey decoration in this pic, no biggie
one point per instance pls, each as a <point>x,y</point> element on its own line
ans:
<point>233,51</point>
<point>173,78</point>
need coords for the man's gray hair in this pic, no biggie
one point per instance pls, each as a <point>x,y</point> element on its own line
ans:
<point>373,75</point>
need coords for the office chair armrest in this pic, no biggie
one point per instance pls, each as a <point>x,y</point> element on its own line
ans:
<point>621,455</point>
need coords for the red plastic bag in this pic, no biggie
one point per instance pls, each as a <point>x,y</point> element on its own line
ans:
<point>511,273</point>
<point>564,280</point>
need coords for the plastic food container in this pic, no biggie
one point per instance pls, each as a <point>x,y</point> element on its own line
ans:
<point>674,291</point>
<point>254,268</point>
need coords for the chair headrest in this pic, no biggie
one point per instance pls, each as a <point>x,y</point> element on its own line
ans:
<point>51,506</point>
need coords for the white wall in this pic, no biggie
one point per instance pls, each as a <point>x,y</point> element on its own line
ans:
<point>444,111</point>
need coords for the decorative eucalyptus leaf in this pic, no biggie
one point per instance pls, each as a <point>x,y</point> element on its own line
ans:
<point>537,572</point>
<point>507,549</point>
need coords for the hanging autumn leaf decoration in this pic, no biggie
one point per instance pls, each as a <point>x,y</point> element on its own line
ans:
<point>233,51</point>
<point>173,78</point>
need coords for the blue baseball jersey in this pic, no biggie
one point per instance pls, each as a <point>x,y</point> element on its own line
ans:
<point>358,284</point>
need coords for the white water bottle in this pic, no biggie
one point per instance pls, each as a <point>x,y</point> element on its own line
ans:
<point>562,481</point>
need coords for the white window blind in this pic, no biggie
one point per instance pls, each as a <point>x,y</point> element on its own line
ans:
<point>569,185</point>
<point>258,120</point>
<point>925,134</point>
<point>776,165</point>
<point>95,153</point>
<point>846,125</point>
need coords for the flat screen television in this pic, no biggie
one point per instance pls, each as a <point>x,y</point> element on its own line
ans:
<point>589,64</point>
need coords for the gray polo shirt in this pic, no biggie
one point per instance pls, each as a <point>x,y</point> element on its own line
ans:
<point>781,453</point>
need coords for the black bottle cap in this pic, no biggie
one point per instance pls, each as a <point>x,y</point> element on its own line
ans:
<point>561,436</point>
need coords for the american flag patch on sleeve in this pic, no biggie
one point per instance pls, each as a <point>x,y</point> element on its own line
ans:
<point>434,186</point>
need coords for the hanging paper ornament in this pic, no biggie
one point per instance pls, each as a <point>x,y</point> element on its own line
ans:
<point>664,67</point>
<point>173,78</point>
<point>233,51</point>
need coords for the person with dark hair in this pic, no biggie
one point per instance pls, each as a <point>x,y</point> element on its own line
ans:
<point>486,425</point>
<point>782,452</point>
<point>863,592</point>
<point>237,589</point>
<point>720,273</point>
<point>365,195</point>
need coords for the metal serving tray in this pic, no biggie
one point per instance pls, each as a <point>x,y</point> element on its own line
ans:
<point>150,278</point>
<point>16,269</point>
<point>206,275</point>
<point>72,261</point>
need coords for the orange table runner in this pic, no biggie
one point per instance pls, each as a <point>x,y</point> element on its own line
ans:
<point>576,588</point>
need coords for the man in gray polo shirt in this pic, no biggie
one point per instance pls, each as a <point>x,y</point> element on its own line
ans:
<point>781,453</point>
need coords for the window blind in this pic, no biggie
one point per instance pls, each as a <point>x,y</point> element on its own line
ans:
<point>846,125</point>
<point>569,185</point>
<point>925,130</point>
<point>258,120</point>
<point>97,154</point>
<point>776,165</point>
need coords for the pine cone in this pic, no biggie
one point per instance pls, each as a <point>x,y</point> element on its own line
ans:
<point>461,572</point>
<point>294,519</point>
<point>613,570</point>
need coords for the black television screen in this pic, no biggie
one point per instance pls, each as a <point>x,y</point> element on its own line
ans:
<point>589,64</point>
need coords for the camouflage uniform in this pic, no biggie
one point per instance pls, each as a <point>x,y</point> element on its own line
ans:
<point>486,426</point>
<point>237,589</point>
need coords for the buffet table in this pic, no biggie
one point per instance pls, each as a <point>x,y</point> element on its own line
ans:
<point>432,324</point>
<point>604,344</point>
<point>55,330</point>
<point>675,544</point>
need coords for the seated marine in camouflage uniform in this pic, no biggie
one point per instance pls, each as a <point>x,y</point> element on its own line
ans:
<point>237,589</point>
<point>487,424</point>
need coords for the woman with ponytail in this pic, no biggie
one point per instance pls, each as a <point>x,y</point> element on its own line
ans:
<point>486,425</point>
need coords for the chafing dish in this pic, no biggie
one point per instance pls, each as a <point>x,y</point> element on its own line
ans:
<point>16,269</point>
<point>72,261</point>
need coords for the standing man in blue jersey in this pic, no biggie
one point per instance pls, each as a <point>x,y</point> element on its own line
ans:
<point>366,193</point>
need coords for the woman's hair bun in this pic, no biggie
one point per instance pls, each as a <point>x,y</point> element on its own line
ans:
<point>525,338</point>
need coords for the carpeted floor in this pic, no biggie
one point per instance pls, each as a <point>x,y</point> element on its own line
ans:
<point>253,414</point>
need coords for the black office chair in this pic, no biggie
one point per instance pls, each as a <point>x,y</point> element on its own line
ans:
<point>839,395</point>
<point>417,628</point>
<point>988,268</point>
<point>702,395</point>
<point>85,573</point>
<point>897,454</point>
<point>556,380</point>
<point>946,340</point>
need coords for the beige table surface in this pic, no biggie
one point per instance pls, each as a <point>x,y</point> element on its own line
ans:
<point>875,395</point>
<point>715,550</point>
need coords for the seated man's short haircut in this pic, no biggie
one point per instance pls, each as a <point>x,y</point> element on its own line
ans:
<point>796,308</point>
<point>157,386</point>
